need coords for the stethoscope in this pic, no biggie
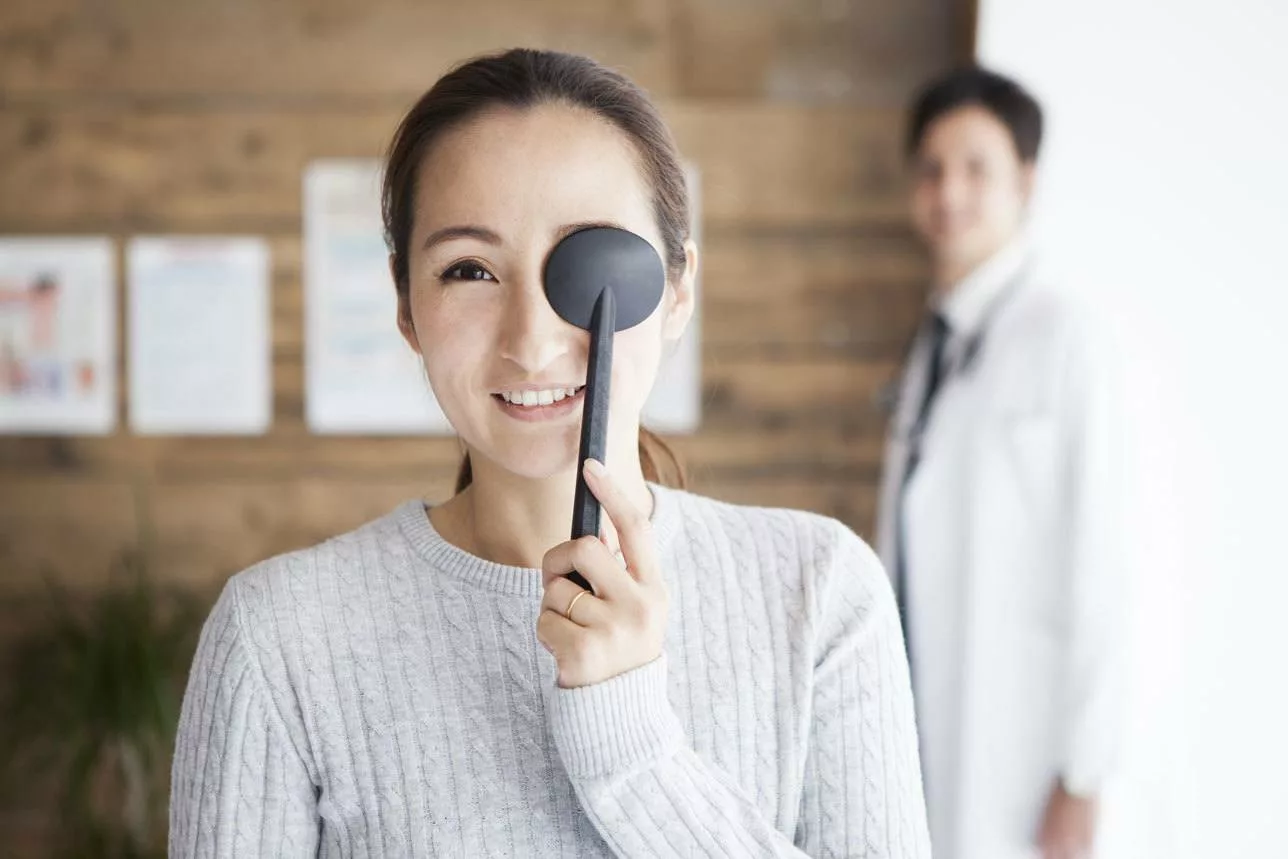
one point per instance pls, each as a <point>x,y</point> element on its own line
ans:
<point>960,365</point>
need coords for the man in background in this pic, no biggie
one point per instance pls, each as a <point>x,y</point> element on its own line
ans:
<point>998,520</point>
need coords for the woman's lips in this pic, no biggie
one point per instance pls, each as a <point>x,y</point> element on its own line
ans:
<point>542,412</point>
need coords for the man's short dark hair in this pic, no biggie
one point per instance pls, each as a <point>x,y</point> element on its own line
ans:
<point>975,86</point>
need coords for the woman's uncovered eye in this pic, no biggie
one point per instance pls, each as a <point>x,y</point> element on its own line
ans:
<point>466,270</point>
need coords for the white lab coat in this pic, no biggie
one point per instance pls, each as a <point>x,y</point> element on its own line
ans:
<point>1015,581</point>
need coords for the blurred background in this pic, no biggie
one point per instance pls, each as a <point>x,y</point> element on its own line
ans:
<point>1163,190</point>
<point>122,118</point>
<point>200,117</point>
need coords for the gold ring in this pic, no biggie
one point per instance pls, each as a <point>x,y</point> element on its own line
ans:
<point>573,602</point>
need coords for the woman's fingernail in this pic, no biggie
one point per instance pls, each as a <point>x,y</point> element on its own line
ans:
<point>595,467</point>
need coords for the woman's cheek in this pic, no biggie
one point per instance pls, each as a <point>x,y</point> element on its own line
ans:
<point>636,356</point>
<point>449,354</point>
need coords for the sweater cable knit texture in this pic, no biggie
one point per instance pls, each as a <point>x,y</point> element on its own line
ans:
<point>383,694</point>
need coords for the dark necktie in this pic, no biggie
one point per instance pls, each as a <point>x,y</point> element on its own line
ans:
<point>938,335</point>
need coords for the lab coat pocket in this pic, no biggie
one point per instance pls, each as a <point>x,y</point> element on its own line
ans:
<point>1032,445</point>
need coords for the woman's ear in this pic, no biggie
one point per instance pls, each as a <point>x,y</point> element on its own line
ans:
<point>680,309</point>
<point>406,327</point>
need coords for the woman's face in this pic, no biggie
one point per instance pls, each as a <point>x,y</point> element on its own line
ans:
<point>493,198</point>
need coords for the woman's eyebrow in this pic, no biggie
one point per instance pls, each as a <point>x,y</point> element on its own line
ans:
<point>568,229</point>
<point>461,231</point>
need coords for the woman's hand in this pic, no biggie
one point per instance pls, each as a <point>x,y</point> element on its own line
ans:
<point>622,624</point>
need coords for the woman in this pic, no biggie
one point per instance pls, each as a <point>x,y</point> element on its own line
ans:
<point>433,685</point>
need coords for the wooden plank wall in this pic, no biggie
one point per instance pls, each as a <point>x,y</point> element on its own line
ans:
<point>198,116</point>
<point>122,117</point>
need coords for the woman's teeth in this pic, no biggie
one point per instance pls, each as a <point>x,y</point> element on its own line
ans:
<point>538,398</point>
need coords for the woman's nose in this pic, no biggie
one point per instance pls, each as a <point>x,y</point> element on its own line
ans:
<point>533,335</point>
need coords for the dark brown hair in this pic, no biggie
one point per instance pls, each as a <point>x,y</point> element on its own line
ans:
<point>521,79</point>
<point>975,86</point>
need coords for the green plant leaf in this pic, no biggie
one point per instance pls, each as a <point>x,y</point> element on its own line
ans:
<point>100,673</point>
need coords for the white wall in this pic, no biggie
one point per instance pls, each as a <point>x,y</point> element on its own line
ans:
<point>1165,192</point>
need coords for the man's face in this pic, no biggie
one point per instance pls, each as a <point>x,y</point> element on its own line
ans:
<point>970,187</point>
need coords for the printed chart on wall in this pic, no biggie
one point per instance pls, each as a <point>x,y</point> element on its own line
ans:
<point>361,377</point>
<point>200,347</point>
<point>675,406</point>
<point>57,336</point>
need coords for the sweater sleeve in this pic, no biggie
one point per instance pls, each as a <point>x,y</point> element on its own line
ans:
<point>239,786</point>
<point>863,792</point>
<point>650,795</point>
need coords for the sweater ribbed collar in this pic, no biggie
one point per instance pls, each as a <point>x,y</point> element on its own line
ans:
<point>413,519</point>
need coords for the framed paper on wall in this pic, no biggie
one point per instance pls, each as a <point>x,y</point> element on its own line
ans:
<point>361,377</point>
<point>200,343</point>
<point>57,336</point>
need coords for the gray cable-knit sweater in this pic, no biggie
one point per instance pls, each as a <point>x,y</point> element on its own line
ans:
<point>383,694</point>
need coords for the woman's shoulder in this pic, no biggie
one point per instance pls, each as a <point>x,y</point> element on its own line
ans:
<point>309,580</point>
<point>788,520</point>
<point>803,547</point>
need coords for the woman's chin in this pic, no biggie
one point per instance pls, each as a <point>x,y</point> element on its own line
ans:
<point>563,471</point>
<point>537,464</point>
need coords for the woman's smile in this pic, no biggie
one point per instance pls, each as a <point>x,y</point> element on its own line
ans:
<point>535,404</point>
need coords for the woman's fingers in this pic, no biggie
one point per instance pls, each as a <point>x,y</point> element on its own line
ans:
<point>560,636</point>
<point>634,531</point>
<point>622,624</point>
<point>590,557</point>
<point>589,610</point>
